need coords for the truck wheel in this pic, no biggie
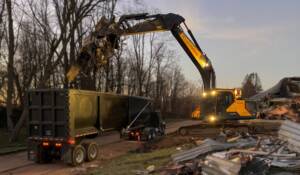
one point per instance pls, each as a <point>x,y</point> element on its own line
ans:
<point>92,151</point>
<point>149,136</point>
<point>163,132</point>
<point>153,135</point>
<point>78,155</point>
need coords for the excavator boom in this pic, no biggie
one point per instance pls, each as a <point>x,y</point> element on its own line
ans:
<point>144,23</point>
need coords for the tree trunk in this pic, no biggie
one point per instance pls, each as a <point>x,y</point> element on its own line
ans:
<point>119,76</point>
<point>10,68</point>
<point>19,125</point>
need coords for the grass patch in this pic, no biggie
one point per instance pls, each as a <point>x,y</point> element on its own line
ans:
<point>12,149</point>
<point>129,163</point>
<point>18,145</point>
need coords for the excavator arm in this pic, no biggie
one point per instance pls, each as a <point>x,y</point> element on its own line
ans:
<point>105,39</point>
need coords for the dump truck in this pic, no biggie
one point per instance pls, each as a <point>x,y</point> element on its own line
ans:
<point>63,123</point>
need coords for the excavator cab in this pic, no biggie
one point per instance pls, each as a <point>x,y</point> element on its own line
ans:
<point>221,105</point>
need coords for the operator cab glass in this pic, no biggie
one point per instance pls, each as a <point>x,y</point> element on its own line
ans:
<point>207,106</point>
<point>224,100</point>
<point>215,103</point>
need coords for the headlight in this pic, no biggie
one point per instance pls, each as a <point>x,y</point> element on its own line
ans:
<point>206,65</point>
<point>204,94</point>
<point>213,93</point>
<point>212,118</point>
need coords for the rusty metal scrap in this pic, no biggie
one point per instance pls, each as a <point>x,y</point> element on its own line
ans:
<point>289,164</point>
<point>289,131</point>
<point>210,145</point>
<point>215,165</point>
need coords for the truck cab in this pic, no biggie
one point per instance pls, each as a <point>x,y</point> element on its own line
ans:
<point>146,127</point>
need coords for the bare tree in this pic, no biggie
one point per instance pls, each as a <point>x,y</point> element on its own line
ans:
<point>31,51</point>
<point>251,85</point>
<point>121,66</point>
<point>69,15</point>
<point>3,72</point>
<point>153,52</point>
<point>178,85</point>
<point>2,23</point>
<point>141,64</point>
<point>10,66</point>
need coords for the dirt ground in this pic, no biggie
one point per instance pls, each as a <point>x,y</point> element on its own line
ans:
<point>155,153</point>
<point>110,147</point>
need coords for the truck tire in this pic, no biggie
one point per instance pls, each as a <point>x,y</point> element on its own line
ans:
<point>149,137</point>
<point>78,155</point>
<point>91,151</point>
<point>154,134</point>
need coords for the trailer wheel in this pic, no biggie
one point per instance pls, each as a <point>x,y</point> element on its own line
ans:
<point>153,135</point>
<point>78,155</point>
<point>163,132</point>
<point>92,151</point>
<point>149,136</point>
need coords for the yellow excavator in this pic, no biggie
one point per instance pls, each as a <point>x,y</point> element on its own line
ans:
<point>216,104</point>
<point>222,104</point>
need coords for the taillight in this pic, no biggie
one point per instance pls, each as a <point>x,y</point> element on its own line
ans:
<point>71,141</point>
<point>58,144</point>
<point>45,144</point>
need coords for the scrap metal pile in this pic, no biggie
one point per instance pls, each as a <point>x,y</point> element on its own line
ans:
<point>241,154</point>
<point>282,101</point>
<point>284,109</point>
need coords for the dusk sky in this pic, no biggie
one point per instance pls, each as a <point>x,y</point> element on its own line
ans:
<point>241,37</point>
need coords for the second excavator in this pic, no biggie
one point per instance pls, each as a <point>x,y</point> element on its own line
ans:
<point>216,104</point>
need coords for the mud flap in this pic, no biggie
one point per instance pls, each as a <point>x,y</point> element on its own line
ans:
<point>67,155</point>
<point>32,151</point>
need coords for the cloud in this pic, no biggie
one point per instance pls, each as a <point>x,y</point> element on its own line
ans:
<point>234,33</point>
<point>228,28</point>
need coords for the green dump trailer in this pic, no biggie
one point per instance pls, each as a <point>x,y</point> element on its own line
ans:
<point>63,123</point>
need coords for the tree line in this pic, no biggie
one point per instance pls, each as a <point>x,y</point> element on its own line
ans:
<point>40,40</point>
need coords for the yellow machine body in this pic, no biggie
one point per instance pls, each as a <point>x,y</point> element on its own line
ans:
<point>222,104</point>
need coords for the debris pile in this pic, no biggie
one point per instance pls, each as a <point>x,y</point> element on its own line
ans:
<point>210,145</point>
<point>242,154</point>
<point>282,101</point>
<point>282,109</point>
